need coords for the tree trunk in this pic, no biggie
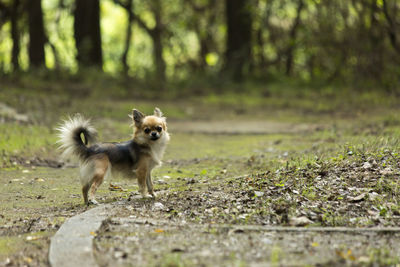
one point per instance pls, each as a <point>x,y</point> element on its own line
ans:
<point>238,41</point>
<point>205,36</point>
<point>37,37</point>
<point>15,35</point>
<point>157,42</point>
<point>391,28</point>
<point>124,58</point>
<point>292,39</point>
<point>158,58</point>
<point>87,33</point>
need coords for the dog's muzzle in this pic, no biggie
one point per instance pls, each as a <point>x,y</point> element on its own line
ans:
<point>154,136</point>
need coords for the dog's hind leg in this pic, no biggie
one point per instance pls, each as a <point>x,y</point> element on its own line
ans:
<point>85,191</point>
<point>86,170</point>
<point>101,169</point>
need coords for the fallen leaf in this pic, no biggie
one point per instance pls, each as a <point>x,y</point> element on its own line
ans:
<point>27,259</point>
<point>159,230</point>
<point>32,238</point>
<point>115,188</point>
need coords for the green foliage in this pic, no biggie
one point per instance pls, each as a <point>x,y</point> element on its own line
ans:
<point>339,40</point>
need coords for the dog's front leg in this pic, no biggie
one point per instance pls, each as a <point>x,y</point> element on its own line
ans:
<point>142,173</point>
<point>141,176</point>
<point>149,183</point>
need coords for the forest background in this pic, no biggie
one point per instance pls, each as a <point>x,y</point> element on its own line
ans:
<point>186,44</point>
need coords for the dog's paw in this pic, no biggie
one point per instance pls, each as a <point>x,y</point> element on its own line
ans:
<point>92,202</point>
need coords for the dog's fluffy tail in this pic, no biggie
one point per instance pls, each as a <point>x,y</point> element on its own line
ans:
<point>70,139</point>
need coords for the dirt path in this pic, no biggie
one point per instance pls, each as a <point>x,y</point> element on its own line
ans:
<point>153,242</point>
<point>241,127</point>
<point>125,238</point>
<point>204,216</point>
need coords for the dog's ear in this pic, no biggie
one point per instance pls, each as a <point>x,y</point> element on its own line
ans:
<point>137,117</point>
<point>158,112</point>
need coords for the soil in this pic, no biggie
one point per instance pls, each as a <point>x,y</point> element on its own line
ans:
<point>132,241</point>
<point>198,215</point>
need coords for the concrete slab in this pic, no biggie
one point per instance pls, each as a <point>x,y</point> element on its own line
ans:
<point>72,245</point>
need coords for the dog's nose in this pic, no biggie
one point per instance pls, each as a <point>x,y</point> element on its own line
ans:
<point>154,134</point>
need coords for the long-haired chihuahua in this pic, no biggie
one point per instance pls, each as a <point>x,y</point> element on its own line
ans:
<point>134,158</point>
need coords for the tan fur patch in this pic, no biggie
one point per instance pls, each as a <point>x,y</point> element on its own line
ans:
<point>150,122</point>
<point>142,171</point>
<point>101,164</point>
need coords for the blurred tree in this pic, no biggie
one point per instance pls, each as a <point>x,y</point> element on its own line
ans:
<point>238,41</point>
<point>14,15</point>
<point>351,41</point>
<point>208,13</point>
<point>37,37</point>
<point>155,34</point>
<point>293,38</point>
<point>128,6</point>
<point>87,33</point>
<point>392,27</point>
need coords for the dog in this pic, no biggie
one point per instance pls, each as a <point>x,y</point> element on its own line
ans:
<point>134,158</point>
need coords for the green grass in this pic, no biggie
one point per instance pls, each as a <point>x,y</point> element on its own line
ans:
<point>25,139</point>
<point>355,127</point>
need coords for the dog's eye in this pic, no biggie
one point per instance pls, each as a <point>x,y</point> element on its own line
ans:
<point>158,128</point>
<point>147,130</point>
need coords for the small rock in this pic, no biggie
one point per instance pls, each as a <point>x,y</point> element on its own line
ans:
<point>373,195</point>
<point>191,181</point>
<point>236,231</point>
<point>357,198</point>
<point>7,262</point>
<point>372,212</point>
<point>120,254</point>
<point>258,193</point>
<point>386,172</point>
<point>10,114</point>
<point>300,221</point>
<point>158,206</point>
<point>266,241</point>
<point>367,165</point>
